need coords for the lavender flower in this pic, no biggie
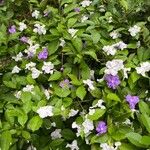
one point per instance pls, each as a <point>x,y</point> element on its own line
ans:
<point>112,81</point>
<point>101,127</point>
<point>64,83</point>
<point>24,39</point>
<point>12,29</point>
<point>43,54</point>
<point>77,9</point>
<point>30,54</point>
<point>132,100</point>
<point>46,14</point>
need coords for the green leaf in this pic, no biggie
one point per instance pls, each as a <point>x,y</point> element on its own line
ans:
<point>3,33</point>
<point>144,108</point>
<point>113,96</point>
<point>35,123</point>
<point>55,76</point>
<point>69,8</point>
<point>22,118</point>
<point>10,84</point>
<point>126,146</point>
<point>65,1</point>
<point>74,79</point>
<point>85,70</point>
<point>77,43</point>
<point>53,46</point>
<point>68,134</point>
<point>96,92</point>
<point>146,121</point>
<point>71,22</point>
<point>26,135</point>
<point>140,52</point>
<point>95,36</point>
<point>56,142</point>
<point>134,76</point>
<point>92,54</point>
<point>67,101</point>
<point>98,113</point>
<point>81,92</point>
<point>99,139</point>
<point>6,140</point>
<point>134,138</point>
<point>62,92</point>
<point>145,140</point>
<point>25,97</point>
<point>124,4</point>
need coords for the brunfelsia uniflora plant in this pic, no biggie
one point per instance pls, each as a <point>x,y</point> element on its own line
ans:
<point>74,75</point>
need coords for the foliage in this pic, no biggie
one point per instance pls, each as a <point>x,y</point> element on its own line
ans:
<point>53,67</point>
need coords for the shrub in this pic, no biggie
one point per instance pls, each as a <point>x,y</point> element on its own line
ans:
<point>74,74</point>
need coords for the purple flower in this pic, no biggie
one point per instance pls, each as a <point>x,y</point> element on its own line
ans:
<point>132,100</point>
<point>101,127</point>
<point>12,29</point>
<point>77,9</point>
<point>112,81</point>
<point>43,54</point>
<point>46,13</point>
<point>24,39</point>
<point>64,83</point>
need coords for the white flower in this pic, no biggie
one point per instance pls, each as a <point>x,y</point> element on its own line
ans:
<point>18,57</point>
<point>127,122</point>
<point>105,146</point>
<point>72,31</point>
<point>47,94</point>
<point>84,18</point>
<point>88,126</point>
<point>62,42</point>
<point>28,88</point>
<point>134,30</point>
<point>56,134</point>
<point>53,124</point>
<point>45,111</point>
<point>125,70</point>
<point>91,111</point>
<point>18,94</point>
<point>30,65</point>
<point>89,83</point>
<point>100,80</point>
<point>31,51</point>
<point>138,44</point>
<point>35,73</point>
<point>79,128</point>
<point>120,45</point>
<point>144,67</point>
<point>31,148</point>
<point>40,29</point>
<point>22,26</point>
<point>110,50</point>
<point>92,74</point>
<point>114,34</point>
<point>99,104</point>
<point>16,69</point>
<point>110,20</point>
<point>86,3</point>
<point>36,14</point>
<point>102,8</point>
<point>148,99</point>
<point>112,67</point>
<point>73,145</point>
<point>73,112</point>
<point>48,67</point>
